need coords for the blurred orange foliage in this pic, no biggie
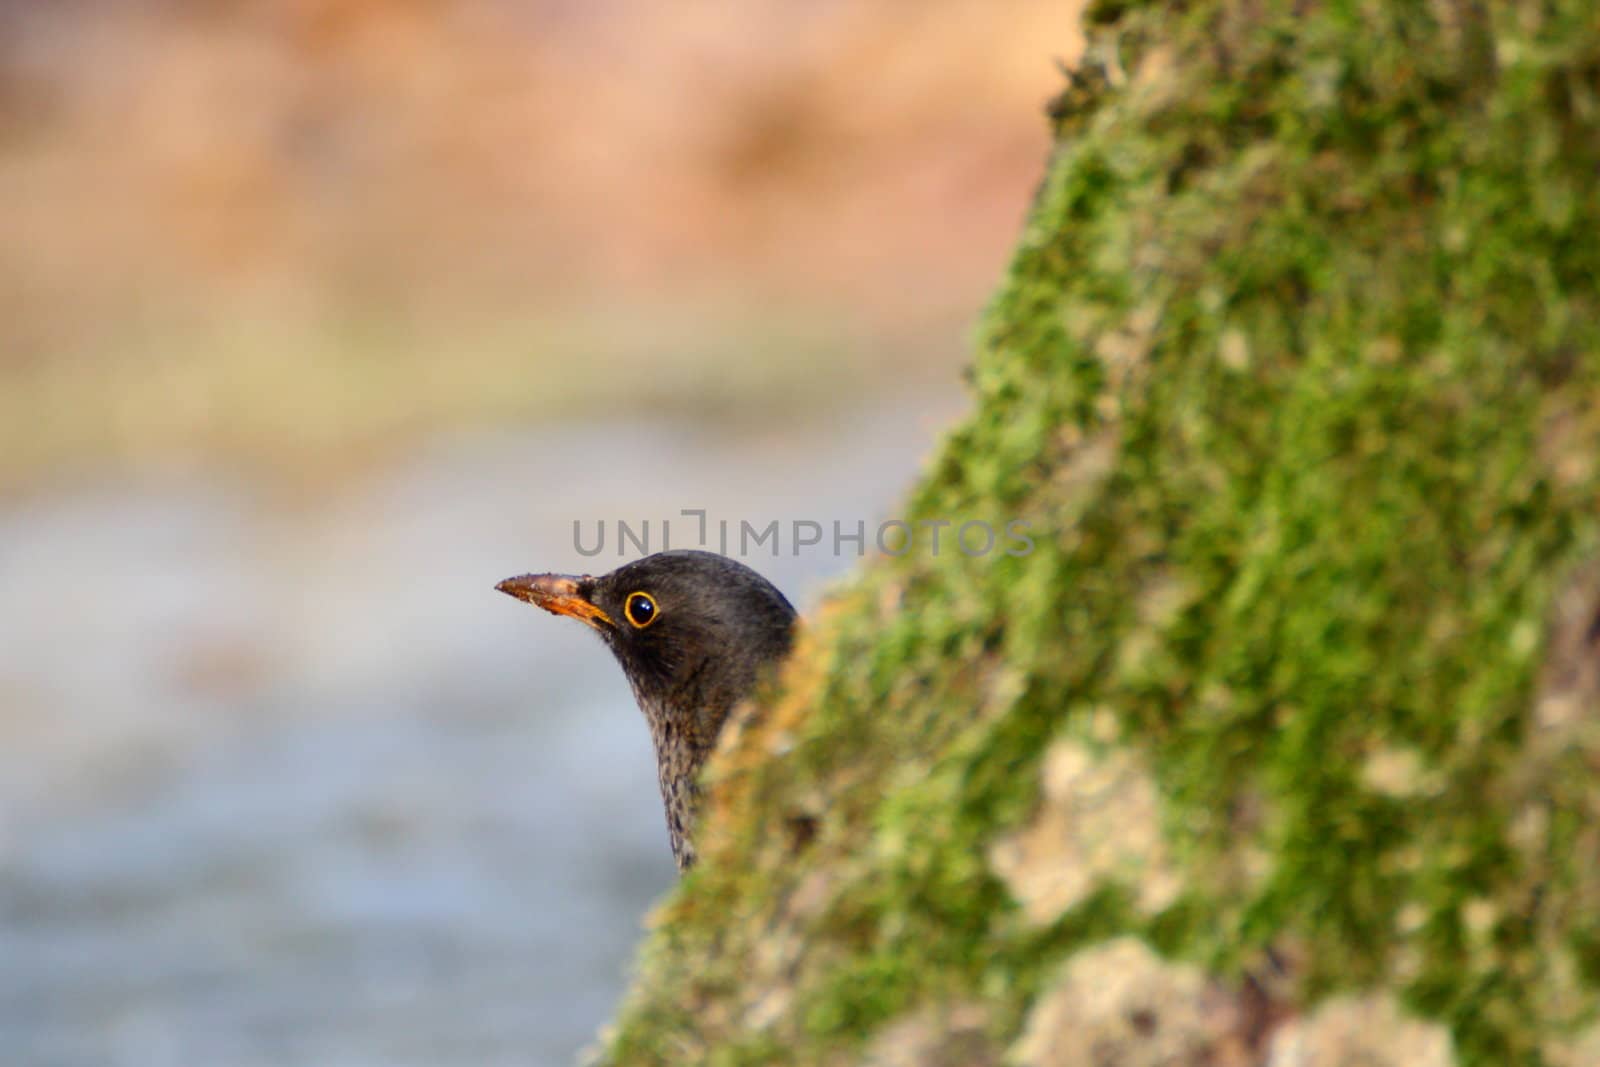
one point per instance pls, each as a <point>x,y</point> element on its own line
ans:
<point>193,160</point>
<point>881,151</point>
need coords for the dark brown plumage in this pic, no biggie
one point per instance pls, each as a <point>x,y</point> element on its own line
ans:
<point>693,632</point>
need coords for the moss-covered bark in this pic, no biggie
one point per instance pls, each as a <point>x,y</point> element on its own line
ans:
<point>1291,714</point>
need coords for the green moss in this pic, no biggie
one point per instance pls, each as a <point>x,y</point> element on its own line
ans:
<point>1271,379</point>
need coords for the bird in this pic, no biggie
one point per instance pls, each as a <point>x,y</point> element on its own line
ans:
<point>694,632</point>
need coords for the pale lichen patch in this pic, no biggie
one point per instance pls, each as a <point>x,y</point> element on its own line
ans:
<point>1563,1002</point>
<point>1569,689</point>
<point>1233,350</point>
<point>1100,822</point>
<point>948,1035</point>
<point>1088,462</point>
<point>1367,1030</point>
<point>1580,1050</point>
<point>1397,772</point>
<point>1480,916</point>
<point>1569,442</point>
<point>778,953</point>
<point>1125,347</point>
<point>1120,1003</point>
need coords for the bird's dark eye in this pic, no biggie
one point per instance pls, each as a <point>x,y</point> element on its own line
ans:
<point>640,609</point>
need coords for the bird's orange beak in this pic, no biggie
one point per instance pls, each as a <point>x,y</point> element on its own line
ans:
<point>556,593</point>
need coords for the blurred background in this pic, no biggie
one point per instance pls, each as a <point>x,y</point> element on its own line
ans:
<point>317,318</point>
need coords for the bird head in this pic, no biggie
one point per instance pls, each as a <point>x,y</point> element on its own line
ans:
<point>691,630</point>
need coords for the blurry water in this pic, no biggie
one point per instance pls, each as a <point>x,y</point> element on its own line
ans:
<point>288,782</point>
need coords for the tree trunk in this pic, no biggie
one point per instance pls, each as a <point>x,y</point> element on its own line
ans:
<point>1278,741</point>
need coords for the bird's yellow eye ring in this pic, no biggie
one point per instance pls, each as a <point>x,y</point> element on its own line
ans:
<point>641,610</point>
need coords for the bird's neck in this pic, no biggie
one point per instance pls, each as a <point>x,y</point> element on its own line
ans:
<point>682,743</point>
